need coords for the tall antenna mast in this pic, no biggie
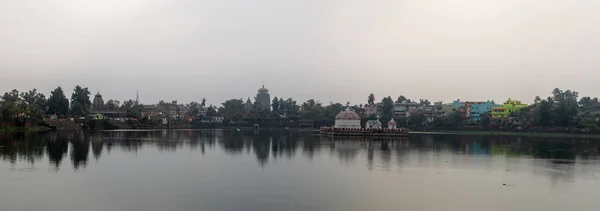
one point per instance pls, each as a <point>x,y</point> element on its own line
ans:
<point>137,97</point>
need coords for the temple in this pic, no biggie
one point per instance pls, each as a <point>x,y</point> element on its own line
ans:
<point>263,99</point>
<point>98,103</point>
<point>347,123</point>
<point>347,119</point>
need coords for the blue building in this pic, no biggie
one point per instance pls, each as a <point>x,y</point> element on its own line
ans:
<point>479,108</point>
<point>457,104</point>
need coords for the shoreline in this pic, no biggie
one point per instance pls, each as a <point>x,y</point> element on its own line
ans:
<point>504,133</point>
<point>416,132</point>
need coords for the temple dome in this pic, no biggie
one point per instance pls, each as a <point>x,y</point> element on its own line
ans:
<point>347,115</point>
<point>392,122</point>
<point>263,90</point>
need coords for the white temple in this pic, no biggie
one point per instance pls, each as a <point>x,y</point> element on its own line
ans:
<point>347,119</point>
<point>392,124</point>
<point>374,124</point>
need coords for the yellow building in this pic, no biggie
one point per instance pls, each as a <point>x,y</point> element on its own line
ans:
<point>504,110</point>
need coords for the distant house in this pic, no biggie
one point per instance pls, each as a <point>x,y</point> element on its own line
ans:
<point>504,110</point>
<point>203,111</point>
<point>402,110</point>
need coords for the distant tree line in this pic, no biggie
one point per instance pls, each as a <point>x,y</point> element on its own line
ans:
<point>561,109</point>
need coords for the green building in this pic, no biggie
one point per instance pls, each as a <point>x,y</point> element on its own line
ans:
<point>504,110</point>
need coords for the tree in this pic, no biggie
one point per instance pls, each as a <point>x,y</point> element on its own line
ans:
<point>313,110</point>
<point>112,105</point>
<point>194,108</point>
<point>282,107</point>
<point>587,102</point>
<point>37,105</point>
<point>401,99</point>
<point>417,119</point>
<point>565,106</point>
<point>232,109</point>
<point>485,118</point>
<point>371,99</point>
<point>33,98</point>
<point>212,111</point>
<point>203,103</point>
<point>80,101</point>
<point>332,110</point>
<point>424,102</point>
<point>132,110</point>
<point>453,119</point>
<point>388,108</point>
<point>58,103</point>
<point>275,105</point>
<point>290,107</point>
<point>9,107</point>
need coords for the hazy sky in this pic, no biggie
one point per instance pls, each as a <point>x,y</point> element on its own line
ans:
<point>329,50</point>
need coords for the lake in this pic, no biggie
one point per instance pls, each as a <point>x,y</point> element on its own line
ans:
<point>294,170</point>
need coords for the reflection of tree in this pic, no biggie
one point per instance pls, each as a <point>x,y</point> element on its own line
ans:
<point>21,147</point>
<point>347,151</point>
<point>310,146</point>
<point>233,143</point>
<point>557,155</point>
<point>282,145</point>
<point>57,148</point>
<point>80,149</point>
<point>97,146</point>
<point>385,154</point>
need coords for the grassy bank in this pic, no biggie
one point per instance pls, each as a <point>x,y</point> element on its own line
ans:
<point>529,134</point>
<point>23,129</point>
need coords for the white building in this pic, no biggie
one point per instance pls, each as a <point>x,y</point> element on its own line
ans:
<point>347,119</point>
<point>392,124</point>
<point>376,124</point>
<point>211,119</point>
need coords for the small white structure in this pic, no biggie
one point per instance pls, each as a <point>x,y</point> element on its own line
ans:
<point>347,119</point>
<point>211,119</point>
<point>375,124</point>
<point>218,119</point>
<point>392,124</point>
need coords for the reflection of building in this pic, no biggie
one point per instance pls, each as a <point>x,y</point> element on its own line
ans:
<point>373,124</point>
<point>347,119</point>
<point>98,103</point>
<point>263,99</point>
<point>510,106</point>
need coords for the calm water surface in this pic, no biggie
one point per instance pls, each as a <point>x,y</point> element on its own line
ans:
<point>286,170</point>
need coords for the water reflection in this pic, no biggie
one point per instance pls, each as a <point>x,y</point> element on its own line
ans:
<point>554,153</point>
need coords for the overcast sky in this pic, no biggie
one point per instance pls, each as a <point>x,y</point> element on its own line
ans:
<point>329,50</point>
